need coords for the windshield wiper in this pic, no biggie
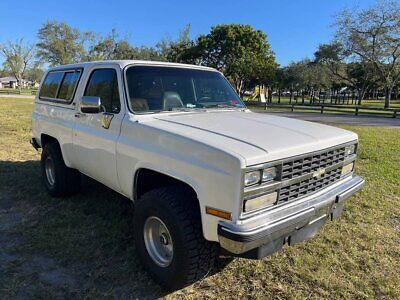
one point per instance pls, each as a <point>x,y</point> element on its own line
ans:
<point>177,109</point>
<point>222,105</point>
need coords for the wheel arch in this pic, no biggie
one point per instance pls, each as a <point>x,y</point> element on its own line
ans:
<point>160,179</point>
<point>45,139</point>
<point>146,179</point>
<point>48,138</point>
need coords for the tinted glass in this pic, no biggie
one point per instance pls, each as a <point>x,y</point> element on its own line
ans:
<point>68,85</point>
<point>166,88</point>
<point>50,85</point>
<point>103,83</point>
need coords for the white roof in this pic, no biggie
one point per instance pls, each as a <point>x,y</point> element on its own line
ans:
<point>124,63</point>
<point>12,79</point>
<point>8,79</point>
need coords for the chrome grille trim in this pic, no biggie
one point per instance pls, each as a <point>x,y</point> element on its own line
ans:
<point>332,158</point>
<point>308,186</point>
<point>255,191</point>
<point>311,163</point>
<point>331,161</point>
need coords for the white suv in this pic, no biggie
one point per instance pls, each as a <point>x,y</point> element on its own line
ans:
<point>203,171</point>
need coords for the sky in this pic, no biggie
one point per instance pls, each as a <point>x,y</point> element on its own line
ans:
<point>294,28</point>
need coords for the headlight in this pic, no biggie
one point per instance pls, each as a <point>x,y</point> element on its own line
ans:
<point>349,150</point>
<point>259,176</point>
<point>269,174</point>
<point>347,169</point>
<point>251,178</point>
<point>260,202</point>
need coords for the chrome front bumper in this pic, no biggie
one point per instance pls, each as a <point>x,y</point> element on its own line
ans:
<point>291,223</point>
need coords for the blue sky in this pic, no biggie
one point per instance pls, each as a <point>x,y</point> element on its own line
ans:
<point>294,28</point>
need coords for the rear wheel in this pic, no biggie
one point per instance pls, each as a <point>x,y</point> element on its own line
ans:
<point>169,237</point>
<point>58,178</point>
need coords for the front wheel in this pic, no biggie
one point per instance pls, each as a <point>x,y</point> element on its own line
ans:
<point>169,237</point>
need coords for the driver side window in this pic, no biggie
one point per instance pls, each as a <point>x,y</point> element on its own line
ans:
<point>103,83</point>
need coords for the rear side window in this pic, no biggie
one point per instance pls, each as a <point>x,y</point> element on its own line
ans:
<point>68,85</point>
<point>60,85</point>
<point>103,83</point>
<point>50,85</point>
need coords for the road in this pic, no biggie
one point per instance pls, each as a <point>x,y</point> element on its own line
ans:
<point>339,118</point>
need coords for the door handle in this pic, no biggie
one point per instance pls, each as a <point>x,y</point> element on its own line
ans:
<point>78,115</point>
<point>106,120</point>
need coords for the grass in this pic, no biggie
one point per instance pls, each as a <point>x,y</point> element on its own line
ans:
<point>82,247</point>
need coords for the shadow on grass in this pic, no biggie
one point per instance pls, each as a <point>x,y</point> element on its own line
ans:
<point>89,237</point>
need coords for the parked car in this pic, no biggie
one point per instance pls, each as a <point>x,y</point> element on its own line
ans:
<point>203,171</point>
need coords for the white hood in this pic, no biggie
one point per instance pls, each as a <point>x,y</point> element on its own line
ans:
<point>256,137</point>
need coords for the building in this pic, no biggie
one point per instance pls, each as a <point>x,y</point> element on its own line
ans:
<point>12,82</point>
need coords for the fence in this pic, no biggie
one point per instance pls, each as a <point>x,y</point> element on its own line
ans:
<point>324,108</point>
<point>17,92</point>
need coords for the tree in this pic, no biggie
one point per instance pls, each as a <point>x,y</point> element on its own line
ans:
<point>17,56</point>
<point>240,52</point>
<point>104,48</point>
<point>358,75</point>
<point>35,72</point>
<point>306,76</point>
<point>373,35</point>
<point>181,50</point>
<point>61,44</point>
<point>112,47</point>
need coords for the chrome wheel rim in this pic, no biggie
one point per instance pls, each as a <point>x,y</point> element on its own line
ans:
<point>50,172</point>
<point>158,241</point>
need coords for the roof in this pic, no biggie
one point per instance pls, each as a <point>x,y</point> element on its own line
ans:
<point>8,79</point>
<point>11,78</point>
<point>124,63</point>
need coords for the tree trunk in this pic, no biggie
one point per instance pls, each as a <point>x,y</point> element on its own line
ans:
<point>291,94</point>
<point>19,83</point>
<point>388,95</point>
<point>360,96</point>
<point>279,96</point>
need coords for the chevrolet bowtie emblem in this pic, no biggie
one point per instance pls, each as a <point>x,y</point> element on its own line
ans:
<point>318,173</point>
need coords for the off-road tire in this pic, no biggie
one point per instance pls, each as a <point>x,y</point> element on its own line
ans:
<point>193,256</point>
<point>67,181</point>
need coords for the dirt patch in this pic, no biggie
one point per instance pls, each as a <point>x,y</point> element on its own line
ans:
<point>25,274</point>
<point>19,269</point>
<point>30,272</point>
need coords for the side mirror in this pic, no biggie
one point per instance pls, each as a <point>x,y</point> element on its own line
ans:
<point>90,104</point>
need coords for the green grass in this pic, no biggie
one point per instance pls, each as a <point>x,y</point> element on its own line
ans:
<point>89,236</point>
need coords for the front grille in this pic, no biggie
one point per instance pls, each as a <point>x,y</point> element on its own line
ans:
<point>308,186</point>
<point>307,165</point>
<point>311,163</point>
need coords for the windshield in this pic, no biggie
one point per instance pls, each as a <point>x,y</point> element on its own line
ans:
<point>153,89</point>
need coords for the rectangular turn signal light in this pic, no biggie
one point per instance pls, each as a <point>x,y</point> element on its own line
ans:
<point>218,213</point>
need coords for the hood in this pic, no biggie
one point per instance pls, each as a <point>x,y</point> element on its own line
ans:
<point>256,137</point>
